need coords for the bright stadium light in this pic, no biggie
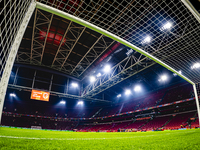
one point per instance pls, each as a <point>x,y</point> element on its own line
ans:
<point>127,92</point>
<point>119,95</point>
<point>195,66</point>
<point>107,68</point>
<point>129,52</point>
<point>167,26</point>
<point>137,88</point>
<point>163,78</point>
<point>80,103</point>
<point>98,75</point>
<point>92,79</point>
<point>12,94</point>
<point>75,85</point>
<point>146,40</point>
<point>62,102</point>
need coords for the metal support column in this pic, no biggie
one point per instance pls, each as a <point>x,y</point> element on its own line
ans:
<point>15,80</point>
<point>66,87</point>
<point>12,55</point>
<point>51,82</point>
<point>33,83</point>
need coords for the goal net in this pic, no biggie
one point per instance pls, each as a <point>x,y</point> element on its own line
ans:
<point>15,16</point>
<point>12,12</point>
<point>167,30</point>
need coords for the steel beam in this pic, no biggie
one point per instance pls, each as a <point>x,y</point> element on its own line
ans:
<point>73,46</point>
<point>18,87</point>
<point>45,41</point>
<point>38,47</point>
<point>123,70</point>
<point>87,53</point>
<point>61,42</point>
<point>92,48</point>
<point>33,34</point>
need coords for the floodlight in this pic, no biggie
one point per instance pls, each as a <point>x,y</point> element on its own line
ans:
<point>146,40</point>
<point>107,69</point>
<point>163,78</point>
<point>127,92</point>
<point>80,103</point>
<point>12,94</point>
<point>196,66</point>
<point>62,102</point>
<point>99,74</point>
<point>137,88</point>
<point>119,95</point>
<point>167,26</point>
<point>75,85</point>
<point>130,51</point>
<point>92,79</point>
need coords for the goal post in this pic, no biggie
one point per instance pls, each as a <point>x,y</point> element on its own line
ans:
<point>116,38</point>
<point>12,52</point>
<point>197,100</point>
<point>191,9</point>
<point>197,16</point>
<point>15,45</point>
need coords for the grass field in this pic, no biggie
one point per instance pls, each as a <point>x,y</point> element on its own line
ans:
<point>14,138</point>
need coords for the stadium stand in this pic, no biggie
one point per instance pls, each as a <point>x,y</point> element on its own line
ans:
<point>176,93</point>
<point>168,117</point>
<point>178,120</point>
<point>156,123</point>
<point>195,124</point>
<point>162,96</point>
<point>172,121</point>
<point>121,125</point>
<point>136,124</point>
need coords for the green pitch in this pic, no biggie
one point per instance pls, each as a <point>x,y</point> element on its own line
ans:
<point>14,139</point>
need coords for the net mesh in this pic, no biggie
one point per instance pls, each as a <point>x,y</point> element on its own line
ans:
<point>143,23</point>
<point>12,13</point>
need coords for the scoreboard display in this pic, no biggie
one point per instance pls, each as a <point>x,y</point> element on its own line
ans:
<point>40,95</point>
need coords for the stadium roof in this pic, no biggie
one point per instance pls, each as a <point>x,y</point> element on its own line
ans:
<point>72,48</point>
<point>78,51</point>
<point>61,44</point>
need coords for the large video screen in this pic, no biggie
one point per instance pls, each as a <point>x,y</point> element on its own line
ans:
<point>40,95</point>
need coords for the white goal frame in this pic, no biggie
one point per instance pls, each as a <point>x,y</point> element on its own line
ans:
<point>12,55</point>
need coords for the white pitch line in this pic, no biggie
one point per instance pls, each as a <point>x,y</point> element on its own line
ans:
<point>73,139</point>
<point>69,139</point>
